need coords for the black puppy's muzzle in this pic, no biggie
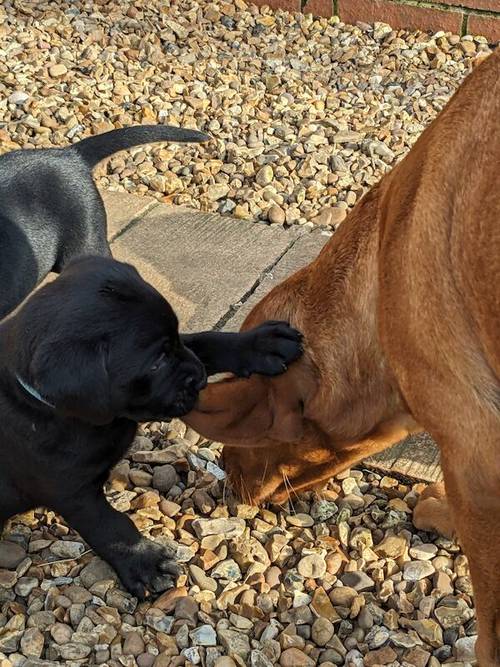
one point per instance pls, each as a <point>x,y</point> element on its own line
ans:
<point>195,375</point>
<point>196,380</point>
<point>193,378</point>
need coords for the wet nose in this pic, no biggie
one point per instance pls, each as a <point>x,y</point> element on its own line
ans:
<point>196,381</point>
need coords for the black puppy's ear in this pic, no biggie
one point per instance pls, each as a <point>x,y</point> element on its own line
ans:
<point>72,375</point>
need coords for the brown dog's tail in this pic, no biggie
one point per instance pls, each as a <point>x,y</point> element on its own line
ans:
<point>97,148</point>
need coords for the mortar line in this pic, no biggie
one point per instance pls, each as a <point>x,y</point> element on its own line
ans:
<point>465,24</point>
<point>433,4</point>
<point>233,309</point>
<point>133,221</point>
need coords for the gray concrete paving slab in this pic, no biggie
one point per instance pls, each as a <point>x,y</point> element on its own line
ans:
<point>203,263</point>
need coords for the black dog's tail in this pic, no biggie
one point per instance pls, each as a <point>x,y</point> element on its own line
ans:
<point>96,148</point>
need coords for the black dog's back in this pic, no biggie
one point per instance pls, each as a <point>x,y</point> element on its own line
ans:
<point>51,210</point>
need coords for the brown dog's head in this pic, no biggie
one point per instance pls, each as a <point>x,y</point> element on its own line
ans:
<point>263,420</point>
<point>264,425</point>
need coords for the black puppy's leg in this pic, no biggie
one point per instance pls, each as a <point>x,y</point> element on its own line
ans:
<point>266,349</point>
<point>141,565</point>
<point>10,503</point>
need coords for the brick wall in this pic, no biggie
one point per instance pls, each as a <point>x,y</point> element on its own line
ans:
<point>464,17</point>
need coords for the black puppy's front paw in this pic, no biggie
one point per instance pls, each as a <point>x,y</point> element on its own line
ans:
<point>273,346</point>
<point>145,568</point>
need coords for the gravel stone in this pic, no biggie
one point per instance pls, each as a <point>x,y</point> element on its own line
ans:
<point>360,581</point>
<point>312,566</point>
<point>11,554</point>
<point>417,570</point>
<point>164,478</point>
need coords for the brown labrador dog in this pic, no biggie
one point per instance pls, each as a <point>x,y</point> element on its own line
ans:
<point>401,317</point>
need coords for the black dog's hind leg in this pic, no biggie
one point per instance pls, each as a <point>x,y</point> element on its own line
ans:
<point>266,349</point>
<point>141,565</point>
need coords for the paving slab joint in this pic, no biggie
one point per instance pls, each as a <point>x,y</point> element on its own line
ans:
<point>136,219</point>
<point>221,323</point>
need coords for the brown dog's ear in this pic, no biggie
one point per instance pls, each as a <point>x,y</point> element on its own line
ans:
<point>241,412</point>
<point>232,409</point>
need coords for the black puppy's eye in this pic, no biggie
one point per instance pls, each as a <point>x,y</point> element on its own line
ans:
<point>158,363</point>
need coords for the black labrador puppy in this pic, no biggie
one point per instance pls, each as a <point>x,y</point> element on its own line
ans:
<point>83,361</point>
<point>51,210</point>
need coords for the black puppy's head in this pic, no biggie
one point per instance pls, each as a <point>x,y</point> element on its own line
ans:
<point>101,343</point>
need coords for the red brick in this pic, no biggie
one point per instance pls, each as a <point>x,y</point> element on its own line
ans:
<point>488,26</point>
<point>491,5</point>
<point>399,15</point>
<point>289,5</point>
<point>319,7</point>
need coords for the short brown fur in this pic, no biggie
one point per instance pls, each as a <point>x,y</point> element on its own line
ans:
<point>401,317</point>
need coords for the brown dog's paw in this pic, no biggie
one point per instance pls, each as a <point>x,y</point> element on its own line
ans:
<point>432,512</point>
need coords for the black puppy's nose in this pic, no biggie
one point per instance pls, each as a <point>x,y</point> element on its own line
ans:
<point>196,381</point>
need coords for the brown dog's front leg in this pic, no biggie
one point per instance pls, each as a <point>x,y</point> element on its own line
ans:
<point>280,469</point>
<point>471,466</point>
<point>342,456</point>
<point>432,512</point>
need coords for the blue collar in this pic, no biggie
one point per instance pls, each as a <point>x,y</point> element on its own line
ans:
<point>33,392</point>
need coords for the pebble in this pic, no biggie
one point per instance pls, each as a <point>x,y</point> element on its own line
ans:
<point>32,643</point>
<point>382,656</point>
<point>18,97</point>
<point>417,570</point>
<point>392,546</point>
<point>453,612</point>
<point>67,549</point>
<point>229,528</point>
<point>25,585</point>
<point>265,175</point>
<point>276,215</point>
<point>225,661</point>
<point>331,216</point>
<point>164,478</point>
<point>235,643</point>
<point>133,644</point>
<point>204,635</point>
<point>205,582</point>
<point>294,657</point>
<point>360,581</point>
<point>74,651</point>
<point>58,70</point>
<point>322,631</point>
<point>464,649</point>
<point>343,596</point>
<point>423,551</point>
<point>11,554</point>
<point>312,566</point>
<point>300,520</point>
<point>96,570</point>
